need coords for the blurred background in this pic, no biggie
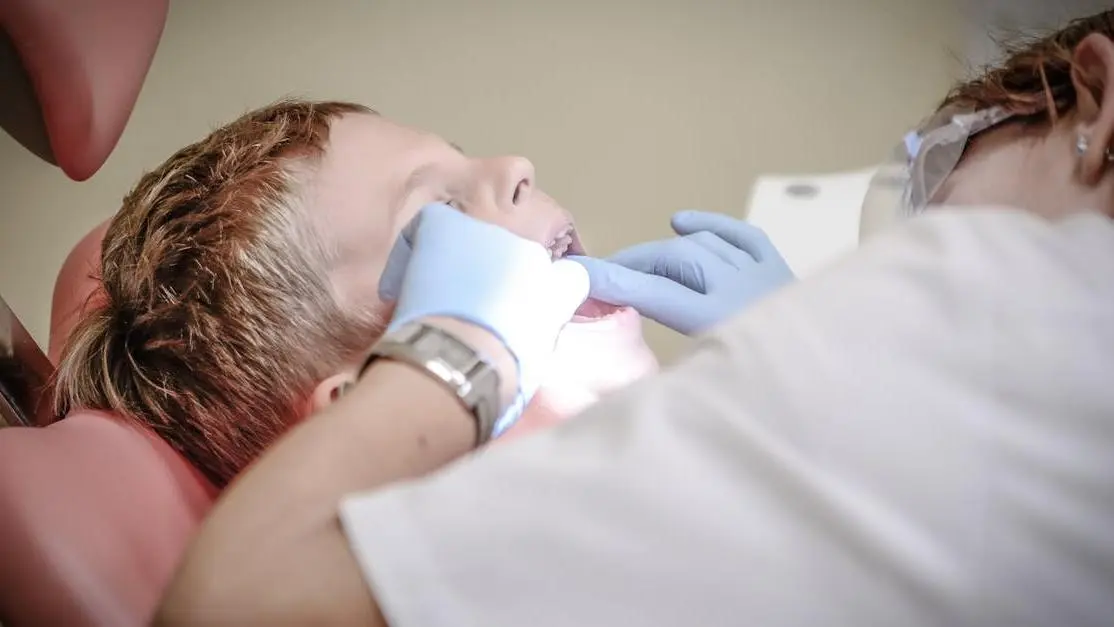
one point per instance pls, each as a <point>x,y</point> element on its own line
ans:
<point>629,109</point>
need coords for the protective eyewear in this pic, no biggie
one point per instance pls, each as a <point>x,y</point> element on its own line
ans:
<point>906,184</point>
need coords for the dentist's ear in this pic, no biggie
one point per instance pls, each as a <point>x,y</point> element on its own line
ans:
<point>1092,76</point>
<point>330,391</point>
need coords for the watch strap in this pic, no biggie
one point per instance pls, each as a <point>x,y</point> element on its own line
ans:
<point>450,361</point>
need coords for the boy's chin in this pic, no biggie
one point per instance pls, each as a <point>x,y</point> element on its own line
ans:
<point>544,411</point>
<point>586,367</point>
<point>549,408</point>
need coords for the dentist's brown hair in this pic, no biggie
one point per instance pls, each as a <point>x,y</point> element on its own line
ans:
<point>1035,76</point>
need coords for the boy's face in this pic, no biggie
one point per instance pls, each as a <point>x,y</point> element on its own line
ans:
<point>374,178</point>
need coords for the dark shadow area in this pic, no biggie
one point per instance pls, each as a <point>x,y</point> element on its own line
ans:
<point>20,115</point>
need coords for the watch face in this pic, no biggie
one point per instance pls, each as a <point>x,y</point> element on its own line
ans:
<point>450,349</point>
<point>456,353</point>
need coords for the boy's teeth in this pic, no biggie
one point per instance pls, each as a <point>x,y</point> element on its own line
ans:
<point>559,250</point>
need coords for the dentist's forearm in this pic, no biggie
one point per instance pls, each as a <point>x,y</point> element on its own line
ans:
<point>272,551</point>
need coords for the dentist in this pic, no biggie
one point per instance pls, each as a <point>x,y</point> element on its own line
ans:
<point>922,434</point>
<point>882,444</point>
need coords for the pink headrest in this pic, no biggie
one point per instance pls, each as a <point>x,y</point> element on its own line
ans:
<point>86,61</point>
<point>94,515</point>
<point>95,512</point>
<point>75,289</point>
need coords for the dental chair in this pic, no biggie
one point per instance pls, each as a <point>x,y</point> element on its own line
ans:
<point>71,72</point>
<point>95,512</point>
<point>95,515</point>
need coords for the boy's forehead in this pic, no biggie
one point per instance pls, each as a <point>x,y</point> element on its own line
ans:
<point>364,155</point>
<point>372,135</point>
<point>355,190</point>
<point>376,150</point>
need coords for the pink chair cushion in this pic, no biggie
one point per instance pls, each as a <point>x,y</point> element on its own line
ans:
<point>75,289</point>
<point>95,512</point>
<point>94,517</point>
<point>86,60</point>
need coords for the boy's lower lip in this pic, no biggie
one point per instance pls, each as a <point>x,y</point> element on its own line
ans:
<point>593,309</point>
<point>597,311</point>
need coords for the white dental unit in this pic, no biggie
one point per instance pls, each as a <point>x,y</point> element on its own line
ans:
<point>811,219</point>
<point>814,219</point>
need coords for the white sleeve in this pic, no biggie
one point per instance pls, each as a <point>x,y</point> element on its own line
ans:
<point>870,447</point>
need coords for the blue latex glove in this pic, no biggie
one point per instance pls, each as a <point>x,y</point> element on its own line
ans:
<point>446,263</point>
<point>716,266</point>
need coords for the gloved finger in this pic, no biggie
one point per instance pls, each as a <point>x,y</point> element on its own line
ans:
<point>720,248</point>
<point>738,233</point>
<point>677,259</point>
<point>390,282</point>
<point>642,257</point>
<point>653,296</point>
<point>568,287</point>
<point>447,227</point>
<point>437,212</point>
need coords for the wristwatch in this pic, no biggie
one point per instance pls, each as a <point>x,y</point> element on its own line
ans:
<point>451,361</point>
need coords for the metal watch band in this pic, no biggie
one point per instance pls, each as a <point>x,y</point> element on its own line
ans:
<point>452,362</point>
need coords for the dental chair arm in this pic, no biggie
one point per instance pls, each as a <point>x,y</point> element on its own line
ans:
<point>71,72</point>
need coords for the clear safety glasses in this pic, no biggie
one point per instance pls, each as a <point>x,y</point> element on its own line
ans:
<point>918,167</point>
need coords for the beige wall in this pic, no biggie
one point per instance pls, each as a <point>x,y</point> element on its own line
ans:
<point>989,21</point>
<point>629,109</point>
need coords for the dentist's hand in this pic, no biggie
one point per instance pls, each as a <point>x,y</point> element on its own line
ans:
<point>449,265</point>
<point>717,266</point>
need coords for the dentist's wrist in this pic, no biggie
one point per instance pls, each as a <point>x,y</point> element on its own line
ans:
<point>488,345</point>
